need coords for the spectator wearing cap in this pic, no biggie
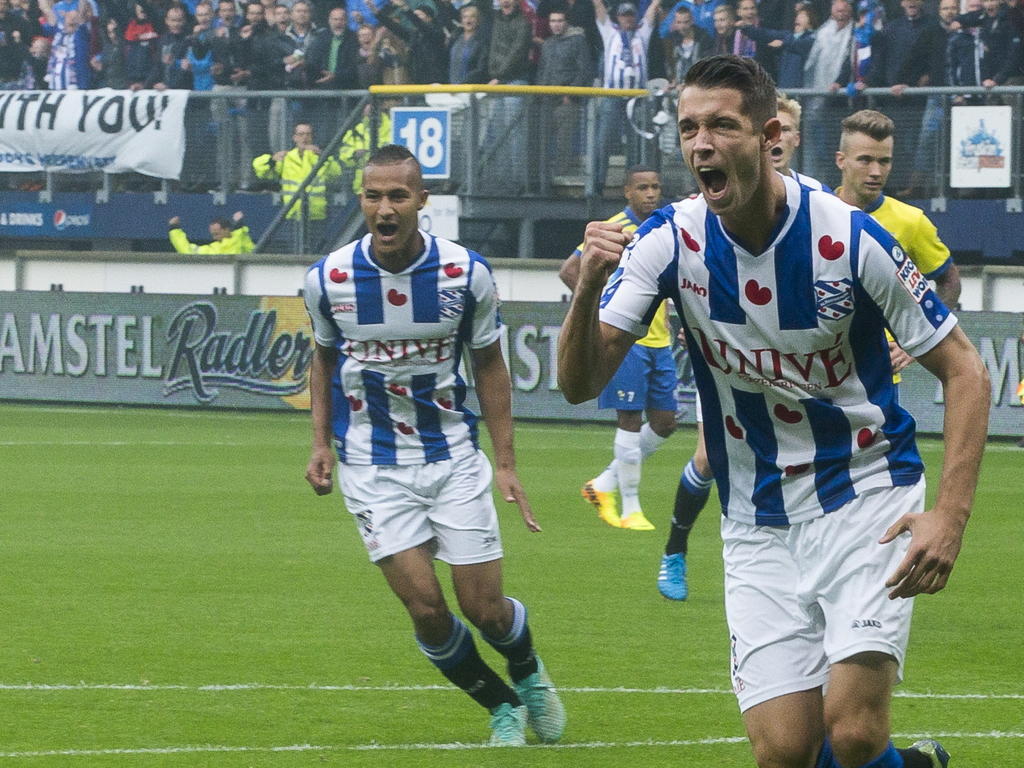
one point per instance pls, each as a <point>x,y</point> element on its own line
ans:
<point>625,44</point>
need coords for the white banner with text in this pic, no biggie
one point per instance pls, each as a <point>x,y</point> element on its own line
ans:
<point>103,130</point>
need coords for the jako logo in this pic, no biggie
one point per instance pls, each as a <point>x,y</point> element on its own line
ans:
<point>62,220</point>
<point>864,623</point>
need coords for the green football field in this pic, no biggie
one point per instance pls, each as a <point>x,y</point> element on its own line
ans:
<point>173,594</point>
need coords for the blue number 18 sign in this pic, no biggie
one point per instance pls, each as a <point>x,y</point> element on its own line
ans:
<point>425,131</point>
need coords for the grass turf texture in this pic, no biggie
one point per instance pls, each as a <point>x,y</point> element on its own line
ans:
<point>174,550</point>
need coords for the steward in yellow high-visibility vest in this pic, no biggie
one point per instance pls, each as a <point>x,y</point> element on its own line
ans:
<point>355,144</point>
<point>228,237</point>
<point>292,167</point>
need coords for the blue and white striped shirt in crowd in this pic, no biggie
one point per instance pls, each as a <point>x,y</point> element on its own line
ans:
<point>398,397</point>
<point>788,348</point>
<point>625,55</point>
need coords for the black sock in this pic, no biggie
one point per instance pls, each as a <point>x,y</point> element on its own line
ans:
<point>517,645</point>
<point>691,496</point>
<point>459,661</point>
<point>914,759</point>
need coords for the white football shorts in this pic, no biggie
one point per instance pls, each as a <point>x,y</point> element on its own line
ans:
<point>800,598</point>
<point>400,507</point>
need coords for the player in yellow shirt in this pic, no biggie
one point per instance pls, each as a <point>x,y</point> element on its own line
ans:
<point>645,382</point>
<point>865,158</point>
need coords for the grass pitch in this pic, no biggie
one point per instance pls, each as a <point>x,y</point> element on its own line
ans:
<point>171,593</point>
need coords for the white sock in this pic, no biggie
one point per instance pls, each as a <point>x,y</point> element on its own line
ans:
<point>608,480</point>
<point>628,457</point>
<point>650,441</point>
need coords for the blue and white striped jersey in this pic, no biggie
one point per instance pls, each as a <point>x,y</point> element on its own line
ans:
<point>788,348</point>
<point>398,397</point>
<point>625,55</point>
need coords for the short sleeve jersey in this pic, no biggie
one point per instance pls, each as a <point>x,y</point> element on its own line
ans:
<point>658,334</point>
<point>397,395</point>
<point>915,232</point>
<point>788,348</point>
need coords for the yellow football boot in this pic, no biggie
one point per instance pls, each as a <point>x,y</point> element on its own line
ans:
<point>604,502</point>
<point>635,521</point>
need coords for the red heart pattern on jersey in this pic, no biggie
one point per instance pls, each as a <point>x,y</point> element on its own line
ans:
<point>757,294</point>
<point>355,402</point>
<point>734,429</point>
<point>865,437</point>
<point>397,298</point>
<point>404,428</point>
<point>688,239</point>
<point>452,270</point>
<point>337,276</point>
<point>782,413</point>
<point>796,469</point>
<point>830,249</point>
<point>446,404</point>
<point>397,389</point>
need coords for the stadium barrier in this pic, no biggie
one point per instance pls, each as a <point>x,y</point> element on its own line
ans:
<point>254,352</point>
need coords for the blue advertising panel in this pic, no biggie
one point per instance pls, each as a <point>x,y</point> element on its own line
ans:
<point>426,132</point>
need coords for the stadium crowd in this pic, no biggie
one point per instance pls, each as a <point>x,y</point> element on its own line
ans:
<point>349,44</point>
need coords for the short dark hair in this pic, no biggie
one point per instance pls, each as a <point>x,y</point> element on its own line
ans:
<point>393,154</point>
<point>738,73</point>
<point>224,223</point>
<point>633,170</point>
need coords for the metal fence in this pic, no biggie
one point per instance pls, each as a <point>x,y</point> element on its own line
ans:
<point>529,143</point>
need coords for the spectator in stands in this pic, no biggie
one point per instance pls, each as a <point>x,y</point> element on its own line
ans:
<point>419,29</point>
<point>394,58</point>
<point>745,45</point>
<point>579,14</point>
<point>725,29</point>
<point>39,60</point>
<point>198,57</point>
<point>703,15</point>
<point>822,114</point>
<point>87,11</point>
<point>509,54</point>
<point>467,56</point>
<point>963,55</point>
<point>13,26</point>
<point>110,63</point>
<point>173,45</point>
<point>359,14</point>
<point>15,68</point>
<point>300,31</point>
<point>564,60</point>
<point>227,237</point>
<point>290,169</point>
<point>68,68</point>
<point>794,47</point>
<point>227,16</point>
<point>273,52</point>
<point>625,66</point>
<point>1000,41</point>
<point>141,49</point>
<point>333,55</point>
<point>357,144</point>
<point>685,45</point>
<point>370,70</point>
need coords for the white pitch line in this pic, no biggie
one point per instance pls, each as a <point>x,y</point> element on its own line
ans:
<point>451,747</point>
<point>223,687</point>
<point>127,443</point>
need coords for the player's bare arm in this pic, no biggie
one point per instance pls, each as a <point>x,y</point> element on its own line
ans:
<point>589,352</point>
<point>320,470</point>
<point>947,286</point>
<point>936,535</point>
<point>569,272</point>
<point>494,391</point>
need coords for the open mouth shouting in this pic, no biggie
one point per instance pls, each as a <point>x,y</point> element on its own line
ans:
<point>714,181</point>
<point>387,231</point>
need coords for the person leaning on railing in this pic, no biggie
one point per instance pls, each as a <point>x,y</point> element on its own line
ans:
<point>228,237</point>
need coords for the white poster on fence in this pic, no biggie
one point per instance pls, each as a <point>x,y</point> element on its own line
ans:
<point>103,130</point>
<point>980,146</point>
